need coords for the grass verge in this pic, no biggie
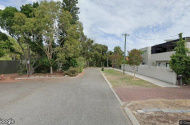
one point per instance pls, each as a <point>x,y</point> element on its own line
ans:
<point>117,79</point>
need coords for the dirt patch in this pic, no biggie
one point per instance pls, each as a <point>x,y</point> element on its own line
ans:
<point>9,77</point>
<point>161,118</point>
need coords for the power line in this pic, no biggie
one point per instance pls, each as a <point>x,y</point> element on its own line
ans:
<point>147,16</point>
<point>155,38</point>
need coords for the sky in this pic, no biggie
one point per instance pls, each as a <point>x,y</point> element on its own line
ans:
<point>148,22</point>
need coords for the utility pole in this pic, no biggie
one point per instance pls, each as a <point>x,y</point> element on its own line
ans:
<point>124,52</point>
<point>107,59</point>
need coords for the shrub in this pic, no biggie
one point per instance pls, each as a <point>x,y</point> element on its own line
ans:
<point>22,69</point>
<point>72,71</point>
<point>80,63</point>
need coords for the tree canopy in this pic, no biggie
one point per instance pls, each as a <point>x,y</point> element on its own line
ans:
<point>48,36</point>
<point>180,60</point>
<point>71,6</point>
<point>135,58</point>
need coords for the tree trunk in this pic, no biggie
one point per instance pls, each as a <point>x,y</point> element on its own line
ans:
<point>28,63</point>
<point>51,70</point>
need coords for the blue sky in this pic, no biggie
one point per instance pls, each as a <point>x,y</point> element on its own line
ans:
<point>106,20</point>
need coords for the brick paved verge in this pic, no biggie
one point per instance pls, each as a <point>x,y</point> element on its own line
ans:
<point>129,94</point>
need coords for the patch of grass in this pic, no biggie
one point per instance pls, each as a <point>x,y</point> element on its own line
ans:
<point>117,79</point>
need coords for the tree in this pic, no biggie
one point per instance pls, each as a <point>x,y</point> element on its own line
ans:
<point>71,6</point>
<point>88,52</point>
<point>46,19</point>
<point>28,9</point>
<point>60,38</point>
<point>14,22</point>
<point>109,57</point>
<point>9,49</point>
<point>117,57</point>
<point>4,44</point>
<point>99,54</point>
<point>135,58</point>
<point>7,19</point>
<point>179,62</point>
<point>117,50</point>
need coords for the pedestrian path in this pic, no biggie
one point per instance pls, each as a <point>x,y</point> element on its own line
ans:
<point>152,80</point>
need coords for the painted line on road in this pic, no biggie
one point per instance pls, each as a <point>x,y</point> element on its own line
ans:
<point>126,109</point>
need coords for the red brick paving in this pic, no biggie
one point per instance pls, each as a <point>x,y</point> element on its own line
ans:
<point>128,94</point>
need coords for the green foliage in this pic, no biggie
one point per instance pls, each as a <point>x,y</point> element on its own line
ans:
<point>71,6</point>
<point>7,46</point>
<point>22,69</point>
<point>180,61</point>
<point>48,33</point>
<point>99,54</point>
<point>80,63</point>
<point>117,50</point>
<point>7,20</point>
<point>28,9</point>
<point>117,57</point>
<point>3,36</point>
<point>72,71</point>
<point>135,57</point>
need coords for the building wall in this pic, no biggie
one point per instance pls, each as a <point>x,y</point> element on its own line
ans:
<point>146,55</point>
<point>188,45</point>
<point>161,57</point>
<point>160,73</point>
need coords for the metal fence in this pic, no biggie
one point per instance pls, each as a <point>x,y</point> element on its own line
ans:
<point>8,67</point>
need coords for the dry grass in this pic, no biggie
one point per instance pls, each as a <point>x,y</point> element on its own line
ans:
<point>117,79</point>
<point>161,118</point>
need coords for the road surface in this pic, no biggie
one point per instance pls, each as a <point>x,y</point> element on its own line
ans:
<point>86,100</point>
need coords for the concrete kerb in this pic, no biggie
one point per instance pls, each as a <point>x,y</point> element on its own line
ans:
<point>126,109</point>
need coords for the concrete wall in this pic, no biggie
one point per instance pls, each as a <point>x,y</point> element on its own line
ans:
<point>146,55</point>
<point>161,57</point>
<point>160,73</point>
<point>8,67</point>
<point>188,45</point>
<point>164,64</point>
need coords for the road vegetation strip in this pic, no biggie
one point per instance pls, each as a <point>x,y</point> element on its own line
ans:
<point>126,110</point>
<point>117,79</point>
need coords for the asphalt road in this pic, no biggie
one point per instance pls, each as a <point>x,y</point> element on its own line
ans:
<point>86,100</point>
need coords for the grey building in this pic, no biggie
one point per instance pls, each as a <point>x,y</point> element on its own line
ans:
<point>159,55</point>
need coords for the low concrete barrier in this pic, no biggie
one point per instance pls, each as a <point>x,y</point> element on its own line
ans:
<point>160,73</point>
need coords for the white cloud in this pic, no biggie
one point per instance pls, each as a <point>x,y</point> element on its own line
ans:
<point>106,20</point>
<point>2,7</point>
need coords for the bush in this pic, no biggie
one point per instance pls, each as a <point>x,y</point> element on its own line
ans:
<point>187,81</point>
<point>22,69</point>
<point>81,63</point>
<point>72,71</point>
